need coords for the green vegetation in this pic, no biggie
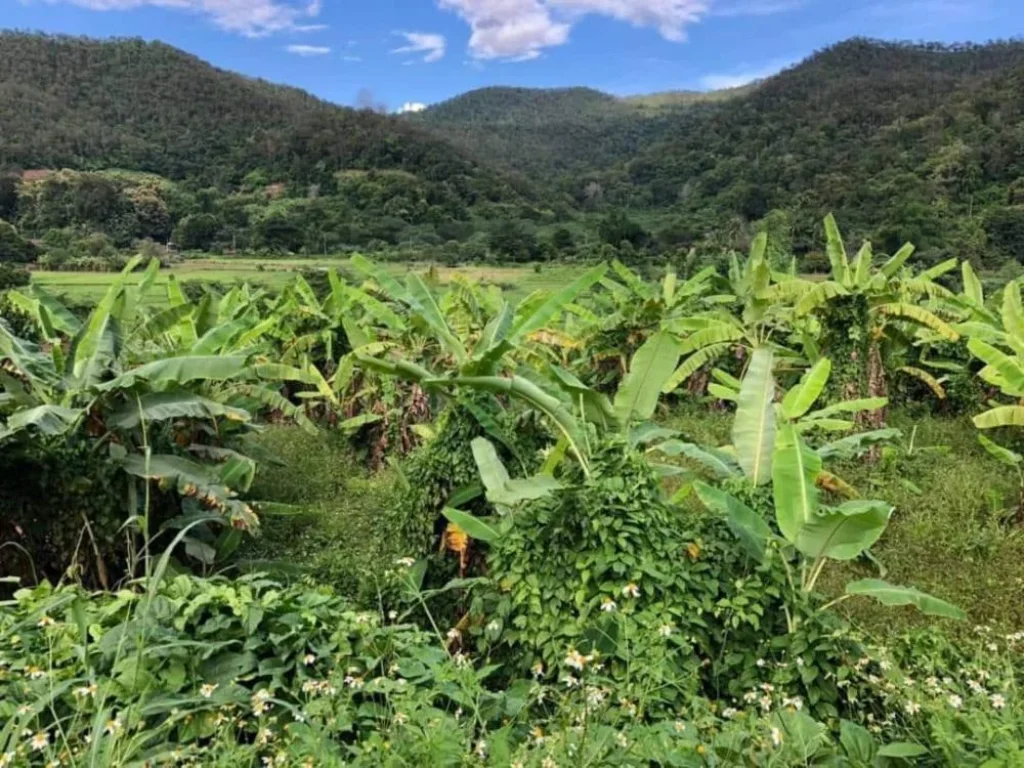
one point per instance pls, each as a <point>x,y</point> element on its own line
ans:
<point>383,518</point>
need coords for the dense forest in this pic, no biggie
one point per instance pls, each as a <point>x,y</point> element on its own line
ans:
<point>903,142</point>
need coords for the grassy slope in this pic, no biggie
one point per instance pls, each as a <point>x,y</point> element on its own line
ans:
<point>949,535</point>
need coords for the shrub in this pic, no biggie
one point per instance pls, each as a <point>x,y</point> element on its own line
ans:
<point>13,247</point>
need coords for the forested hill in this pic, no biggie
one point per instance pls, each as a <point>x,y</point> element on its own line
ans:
<point>567,130</point>
<point>80,103</point>
<point>901,141</point>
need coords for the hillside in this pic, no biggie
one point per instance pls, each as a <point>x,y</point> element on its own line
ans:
<point>569,130</point>
<point>902,142</point>
<point>85,104</point>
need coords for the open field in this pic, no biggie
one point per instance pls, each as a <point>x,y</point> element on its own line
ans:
<point>275,273</point>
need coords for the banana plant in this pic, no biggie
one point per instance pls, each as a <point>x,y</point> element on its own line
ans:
<point>762,419</point>
<point>864,309</point>
<point>771,447</point>
<point>1002,352</point>
<point>756,310</point>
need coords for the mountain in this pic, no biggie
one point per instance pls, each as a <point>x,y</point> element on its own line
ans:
<point>901,141</point>
<point>537,131</point>
<point>85,104</point>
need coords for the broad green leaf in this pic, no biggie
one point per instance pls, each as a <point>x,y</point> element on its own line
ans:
<point>717,333</point>
<point>380,276</point>
<point>801,397</point>
<point>653,363</point>
<point>1004,416</point>
<point>903,749</point>
<point>862,266</point>
<point>694,363</point>
<point>854,445</point>
<point>48,419</point>
<point>539,316</point>
<point>794,473</point>
<point>430,311</point>
<point>723,393</point>
<point>474,527</point>
<point>895,264</point>
<point>893,595</point>
<point>819,295</point>
<point>89,345</point>
<point>161,406</point>
<point>837,252</point>
<point>921,316</point>
<point>1005,455</point>
<point>716,461</point>
<point>1009,369</point>
<point>845,532</point>
<point>595,405</point>
<point>523,489</point>
<point>492,471</point>
<point>748,526</point>
<point>1013,314</point>
<point>753,433</point>
<point>179,370</point>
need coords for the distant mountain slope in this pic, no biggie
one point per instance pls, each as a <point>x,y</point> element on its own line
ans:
<point>900,140</point>
<point>537,131</point>
<point>80,103</point>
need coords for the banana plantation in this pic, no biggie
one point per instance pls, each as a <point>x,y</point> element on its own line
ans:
<point>563,566</point>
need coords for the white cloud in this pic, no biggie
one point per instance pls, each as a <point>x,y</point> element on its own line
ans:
<point>412,106</point>
<point>352,59</point>
<point>421,42</point>
<point>308,50</point>
<point>720,81</point>
<point>520,30</point>
<point>252,18</point>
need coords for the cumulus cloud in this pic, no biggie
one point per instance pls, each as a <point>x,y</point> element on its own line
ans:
<point>421,42</point>
<point>412,106</point>
<point>521,29</point>
<point>252,18</point>
<point>308,50</point>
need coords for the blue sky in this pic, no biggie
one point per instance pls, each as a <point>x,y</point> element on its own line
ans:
<point>423,51</point>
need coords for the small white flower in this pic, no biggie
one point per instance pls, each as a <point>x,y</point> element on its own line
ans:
<point>570,681</point>
<point>608,605</point>
<point>538,668</point>
<point>760,662</point>
<point>40,741</point>
<point>454,634</point>
<point>461,659</point>
<point>548,762</point>
<point>86,690</point>
<point>481,749</point>
<point>799,661</point>
<point>795,702</point>
<point>729,712</point>
<point>998,701</point>
<point>309,659</point>
<point>46,621</point>
<point>620,737</point>
<point>573,659</point>
<point>405,562</point>
<point>401,718</point>
<point>975,687</point>
<point>6,759</point>
<point>992,647</point>
<point>955,701</point>
<point>493,626</point>
<point>113,726</point>
<point>766,703</point>
<point>206,691</point>
<point>631,590</point>
<point>885,665</point>
<point>665,630</point>
<point>776,737</point>
<point>912,707</point>
<point>392,615</point>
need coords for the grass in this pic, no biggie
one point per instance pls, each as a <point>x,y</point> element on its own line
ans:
<point>951,534</point>
<point>519,280</point>
<point>335,527</point>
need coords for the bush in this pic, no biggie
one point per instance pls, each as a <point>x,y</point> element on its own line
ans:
<point>12,277</point>
<point>14,248</point>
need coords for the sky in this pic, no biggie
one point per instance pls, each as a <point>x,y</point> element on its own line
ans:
<point>403,54</point>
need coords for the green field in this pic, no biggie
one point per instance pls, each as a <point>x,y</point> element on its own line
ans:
<point>275,273</point>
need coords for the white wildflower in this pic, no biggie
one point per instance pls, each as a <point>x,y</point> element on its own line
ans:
<point>206,691</point>
<point>912,707</point>
<point>998,701</point>
<point>729,712</point>
<point>955,701</point>
<point>573,659</point>
<point>776,737</point>
<point>309,659</point>
<point>40,741</point>
<point>631,590</point>
<point>665,630</point>
<point>405,562</point>
<point>608,605</point>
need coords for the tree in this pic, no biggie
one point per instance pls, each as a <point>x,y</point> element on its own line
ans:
<point>13,247</point>
<point>617,227</point>
<point>513,241</point>
<point>196,232</point>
